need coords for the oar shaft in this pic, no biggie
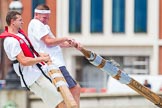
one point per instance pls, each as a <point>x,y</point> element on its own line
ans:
<point>59,81</point>
<point>115,72</point>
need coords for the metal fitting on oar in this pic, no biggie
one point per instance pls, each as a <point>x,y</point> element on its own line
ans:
<point>59,81</point>
<point>114,63</point>
<point>56,77</point>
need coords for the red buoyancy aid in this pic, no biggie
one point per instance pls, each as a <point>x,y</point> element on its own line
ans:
<point>28,51</point>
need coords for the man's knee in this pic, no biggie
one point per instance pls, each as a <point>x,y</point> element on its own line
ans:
<point>75,89</point>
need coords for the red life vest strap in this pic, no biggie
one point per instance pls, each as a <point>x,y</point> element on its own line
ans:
<point>23,45</point>
<point>27,50</point>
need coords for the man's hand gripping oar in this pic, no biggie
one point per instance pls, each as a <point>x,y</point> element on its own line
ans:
<point>61,84</point>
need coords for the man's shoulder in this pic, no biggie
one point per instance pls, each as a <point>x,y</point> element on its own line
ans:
<point>10,41</point>
<point>35,22</point>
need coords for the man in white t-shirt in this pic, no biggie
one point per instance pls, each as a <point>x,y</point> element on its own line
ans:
<point>25,64</point>
<point>43,40</point>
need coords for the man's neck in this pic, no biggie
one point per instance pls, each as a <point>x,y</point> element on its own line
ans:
<point>12,30</point>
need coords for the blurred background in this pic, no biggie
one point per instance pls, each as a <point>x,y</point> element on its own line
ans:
<point>127,31</point>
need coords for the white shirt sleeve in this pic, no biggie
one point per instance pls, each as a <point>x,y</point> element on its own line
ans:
<point>37,29</point>
<point>12,48</point>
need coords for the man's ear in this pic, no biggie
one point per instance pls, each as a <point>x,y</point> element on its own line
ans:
<point>36,15</point>
<point>12,21</point>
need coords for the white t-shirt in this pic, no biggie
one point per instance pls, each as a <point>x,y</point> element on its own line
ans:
<point>12,49</point>
<point>36,30</point>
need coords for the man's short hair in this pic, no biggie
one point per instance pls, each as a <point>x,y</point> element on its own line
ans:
<point>11,15</point>
<point>42,7</point>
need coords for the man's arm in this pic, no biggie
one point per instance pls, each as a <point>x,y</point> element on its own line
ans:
<point>54,41</point>
<point>28,61</point>
<point>63,42</point>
